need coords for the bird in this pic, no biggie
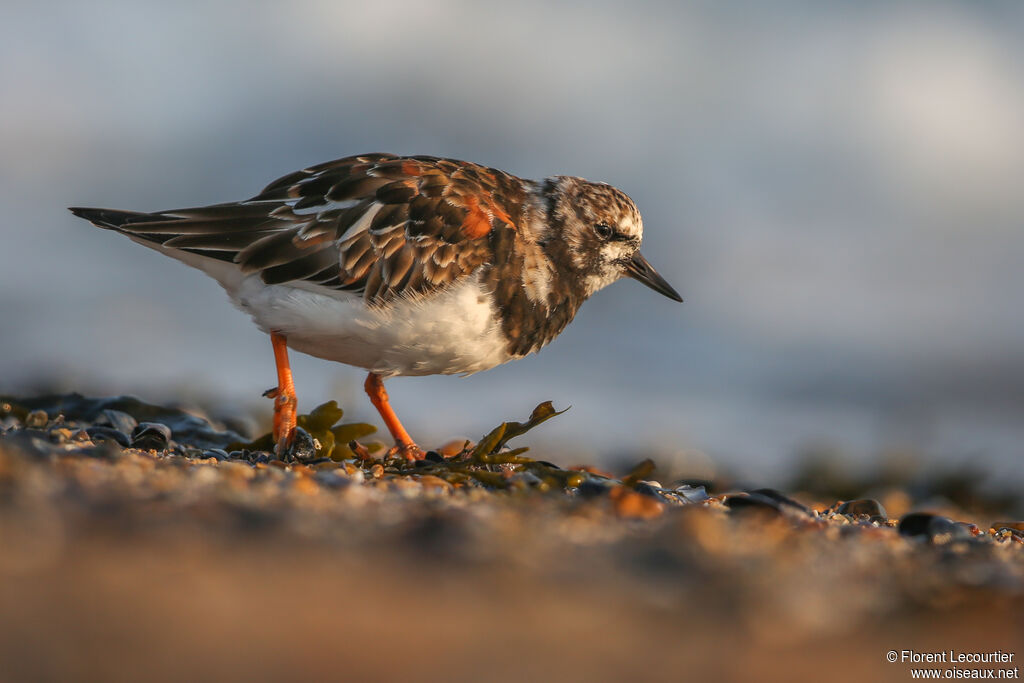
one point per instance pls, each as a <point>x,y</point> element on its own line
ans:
<point>403,265</point>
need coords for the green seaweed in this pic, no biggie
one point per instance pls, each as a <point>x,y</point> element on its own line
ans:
<point>321,423</point>
<point>488,465</point>
<point>486,450</point>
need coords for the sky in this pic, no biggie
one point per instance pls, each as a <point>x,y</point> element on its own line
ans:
<point>834,188</point>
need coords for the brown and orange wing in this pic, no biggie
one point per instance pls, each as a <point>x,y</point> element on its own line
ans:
<point>379,225</point>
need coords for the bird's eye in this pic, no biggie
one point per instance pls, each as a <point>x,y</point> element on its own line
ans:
<point>603,230</point>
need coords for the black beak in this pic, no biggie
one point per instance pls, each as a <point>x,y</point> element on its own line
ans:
<point>639,269</point>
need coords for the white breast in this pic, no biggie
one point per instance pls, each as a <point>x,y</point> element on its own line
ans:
<point>454,332</point>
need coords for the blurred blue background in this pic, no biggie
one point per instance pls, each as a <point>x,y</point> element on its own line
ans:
<point>837,189</point>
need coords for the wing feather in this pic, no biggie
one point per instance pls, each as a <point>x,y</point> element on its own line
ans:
<point>377,224</point>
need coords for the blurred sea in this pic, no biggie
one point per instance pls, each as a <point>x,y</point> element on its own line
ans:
<point>835,188</point>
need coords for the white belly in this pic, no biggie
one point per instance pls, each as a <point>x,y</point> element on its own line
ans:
<point>454,332</point>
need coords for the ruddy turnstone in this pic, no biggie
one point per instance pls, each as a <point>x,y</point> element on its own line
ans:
<point>404,265</point>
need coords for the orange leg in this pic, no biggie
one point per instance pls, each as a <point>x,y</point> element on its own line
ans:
<point>285,401</point>
<point>379,397</point>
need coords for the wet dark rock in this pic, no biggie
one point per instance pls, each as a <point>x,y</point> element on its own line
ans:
<point>151,436</point>
<point>862,506</point>
<point>217,453</point>
<point>752,501</point>
<point>119,420</point>
<point>433,456</point>
<point>933,528</point>
<point>593,488</point>
<point>187,427</point>
<point>782,500</point>
<point>423,463</point>
<point>649,489</point>
<point>303,446</point>
<point>108,434</point>
<point>30,442</point>
<point>105,450</point>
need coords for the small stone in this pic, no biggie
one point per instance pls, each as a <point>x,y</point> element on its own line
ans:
<point>60,435</point>
<point>453,447</point>
<point>752,502</point>
<point>151,436</point>
<point>691,494</point>
<point>593,488</point>
<point>305,485</point>
<point>37,419</point>
<point>332,479</point>
<point>1019,526</point>
<point>648,488</point>
<point>782,500</point>
<point>303,447</point>
<point>98,434</point>
<point>632,505</point>
<point>433,456</point>
<point>377,471</point>
<point>932,528</point>
<point>862,506</point>
<point>121,421</point>
<point>216,453</point>
<point>432,483</point>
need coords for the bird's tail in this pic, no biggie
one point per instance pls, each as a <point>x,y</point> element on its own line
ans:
<point>112,219</point>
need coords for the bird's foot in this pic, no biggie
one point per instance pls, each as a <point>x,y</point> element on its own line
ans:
<point>285,419</point>
<point>409,451</point>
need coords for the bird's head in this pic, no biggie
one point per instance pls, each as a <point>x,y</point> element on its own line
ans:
<point>601,229</point>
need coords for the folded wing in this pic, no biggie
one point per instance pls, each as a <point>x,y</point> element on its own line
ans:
<point>379,225</point>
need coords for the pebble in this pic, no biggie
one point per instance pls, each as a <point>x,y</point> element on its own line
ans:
<point>37,419</point>
<point>933,528</point>
<point>433,483</point>
<point>216,453</point>
<point>304,446</point>
<point>862,506</point>
<point>454,447</point>
<point>752,501</point>
<point>332,479</point>
<point>632,505</point>
<point>151,436</point>
<point>782,500</point>
<point>108,434</point>
<point>119,420</point>
<point>594,488</point>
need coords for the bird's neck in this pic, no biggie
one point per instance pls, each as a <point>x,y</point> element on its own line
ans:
<point>536,288</point>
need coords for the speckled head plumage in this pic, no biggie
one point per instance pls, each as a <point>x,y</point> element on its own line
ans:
<point>602,230</point>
